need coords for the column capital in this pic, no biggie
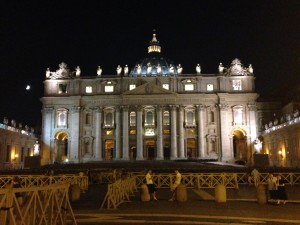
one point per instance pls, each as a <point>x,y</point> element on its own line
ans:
<point>98,109</point>
<point>173,107</point>
<point>223,106</point>
<point>48,109</point>
<point>252,106</point>
<point>75,109</point>
<point>201,107</point>
<point>125,107</point>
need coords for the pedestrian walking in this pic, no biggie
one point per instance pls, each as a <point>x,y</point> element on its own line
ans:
<point>175,185</point>
<point>150,184</point>
<point>281,192</point>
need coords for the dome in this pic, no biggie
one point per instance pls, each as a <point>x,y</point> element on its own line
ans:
<point>154,64</point>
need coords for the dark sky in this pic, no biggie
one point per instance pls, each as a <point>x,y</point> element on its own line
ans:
<point>35,35</point>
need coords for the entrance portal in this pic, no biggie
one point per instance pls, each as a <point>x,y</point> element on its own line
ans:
<point>191,148</point>
<point>240,145</point>
<point>150,149</point>
<point>109,150</point>
<point>61,147</point>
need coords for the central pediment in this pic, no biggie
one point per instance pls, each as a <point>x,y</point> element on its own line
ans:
<point>148,89</point>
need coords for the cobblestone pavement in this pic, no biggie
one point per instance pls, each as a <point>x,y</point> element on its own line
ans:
<point>241,207</point>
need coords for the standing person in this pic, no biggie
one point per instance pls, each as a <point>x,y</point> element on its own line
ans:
<point>175,185</point>
<point>255,176</point>
<point>281,192</point>
<point>272,186</point>
<point>150,184</point>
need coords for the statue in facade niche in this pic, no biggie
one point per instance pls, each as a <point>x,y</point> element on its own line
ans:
<point>179,69</point>
<point>99,71</point>
<point>126,69</point>
<point>119,70</point>
<point>221,68</point>
<point>77,71</point>
<point>198,69</point>
<point>296,113</point>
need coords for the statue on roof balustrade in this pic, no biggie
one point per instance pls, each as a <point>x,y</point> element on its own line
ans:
<point>198,69</point>
<point>119,70</point>
<point>126,69</point>
<point>179,69</point>
<point>99,71</point>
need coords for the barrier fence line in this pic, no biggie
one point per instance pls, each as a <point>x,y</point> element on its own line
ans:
<point>119,192</point>
<point>42,180</point>
<point>36,205</point>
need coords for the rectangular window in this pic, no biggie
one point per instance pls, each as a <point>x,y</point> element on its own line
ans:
<point>88,89</point>
<point>132,86</point>
<point>62,88</point>
<point>189,87</point>
<point>165,86</point>
<point>149,132</point>
<point>109,88</point>
<point>210,87</point>
<point>237,85</point>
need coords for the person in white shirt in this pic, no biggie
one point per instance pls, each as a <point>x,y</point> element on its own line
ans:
<point>175,185</point>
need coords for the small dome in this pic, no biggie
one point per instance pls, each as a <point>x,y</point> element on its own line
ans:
<point>154,64</point>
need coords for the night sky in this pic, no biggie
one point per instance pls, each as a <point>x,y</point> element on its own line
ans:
<point>35,35</point>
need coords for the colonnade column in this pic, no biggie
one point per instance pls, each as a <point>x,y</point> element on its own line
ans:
<point>139,134</point>
<point>47,150</point>
<point>173,132</point>
<point>117,135</point>
<point>181,132</point>
<point>201,141</point>
<point>159,141</point>
<point>125,139</point>
<point>98,134</point>
<point>75,151</point>
<point>227,152</point>
<point>253,130</point>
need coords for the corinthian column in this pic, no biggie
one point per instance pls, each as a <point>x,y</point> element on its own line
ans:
<point>159,135</point>
<point>201,141</point>
<point>117,136</point>
<point>181,132</point>
<point>173,132</point>
<point>139,134</point>
<point>125,135</point>
<point>98,134</point>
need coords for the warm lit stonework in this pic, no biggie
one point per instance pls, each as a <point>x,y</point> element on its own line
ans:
<point>151,111</point>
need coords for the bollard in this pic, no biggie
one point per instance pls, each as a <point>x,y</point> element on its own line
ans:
<point>220,193</point>
<point>181,193</point>
<point>74,193</point>
<point>261,194</point>
<point>145,196</point>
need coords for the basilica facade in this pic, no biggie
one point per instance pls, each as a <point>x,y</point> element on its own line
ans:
<point>153,111</point>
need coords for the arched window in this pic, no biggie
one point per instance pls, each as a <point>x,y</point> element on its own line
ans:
<point>190,118</point>
<point>61,117</point>
<point>149,117</point>
<point>166,118</point>
<point>109,119</point>
<point>132,119</point>
<point>88,118</point>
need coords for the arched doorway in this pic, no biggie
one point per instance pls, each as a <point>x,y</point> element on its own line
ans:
<point>191,148</point>
<point>61,147</point>
<point>150,149</point>
<point>240,145</point>
<point>109,149</point>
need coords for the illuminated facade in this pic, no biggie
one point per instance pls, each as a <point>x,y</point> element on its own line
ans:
<point>16,143</point>
<point>152,112</point>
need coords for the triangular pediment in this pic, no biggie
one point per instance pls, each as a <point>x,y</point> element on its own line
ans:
<point>148,89</point>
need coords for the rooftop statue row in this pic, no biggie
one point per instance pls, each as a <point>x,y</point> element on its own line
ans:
<point>236,69</point>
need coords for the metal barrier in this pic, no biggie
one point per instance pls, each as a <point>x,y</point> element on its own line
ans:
<point>42,180</point>
<point>199,180</point>
<point>119,192</point>
<point>36,205</point>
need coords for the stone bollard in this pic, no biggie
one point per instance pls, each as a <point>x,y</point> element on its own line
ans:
<point>145,196</point>
<point>181,193</point>
<point>261,194</point>
<point>74,193</point>
<point>220,193</point>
